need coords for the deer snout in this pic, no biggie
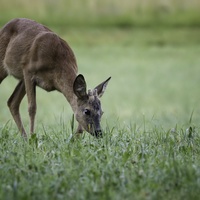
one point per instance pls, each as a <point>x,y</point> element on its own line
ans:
<point>98,133</point>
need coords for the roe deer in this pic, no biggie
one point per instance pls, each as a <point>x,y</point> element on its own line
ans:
<point>36,56</point>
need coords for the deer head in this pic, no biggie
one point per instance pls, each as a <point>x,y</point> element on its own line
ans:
<point>89,112</point>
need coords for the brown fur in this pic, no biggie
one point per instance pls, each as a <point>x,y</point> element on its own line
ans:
<point>36,56</point>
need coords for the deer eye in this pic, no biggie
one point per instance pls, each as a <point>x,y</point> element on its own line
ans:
<point>86,112</point>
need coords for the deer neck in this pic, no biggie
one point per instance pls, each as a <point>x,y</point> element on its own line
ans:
<point>65,83</point>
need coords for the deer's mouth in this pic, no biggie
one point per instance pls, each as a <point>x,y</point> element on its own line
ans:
<point>96,132</point>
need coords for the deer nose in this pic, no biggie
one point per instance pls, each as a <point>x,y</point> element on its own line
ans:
<point>98,133</point>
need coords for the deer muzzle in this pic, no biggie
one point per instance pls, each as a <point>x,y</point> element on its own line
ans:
<point>96,130</point>
<point>98,134</point>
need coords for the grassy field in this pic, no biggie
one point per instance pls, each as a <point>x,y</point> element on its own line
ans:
<point>151,121</point>
<point>151,143</point>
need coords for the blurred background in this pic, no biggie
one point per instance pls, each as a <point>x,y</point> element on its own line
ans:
<point>151,48</point>
<point>105,13</point>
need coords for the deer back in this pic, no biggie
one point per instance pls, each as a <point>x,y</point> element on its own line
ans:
<point>27,45</point>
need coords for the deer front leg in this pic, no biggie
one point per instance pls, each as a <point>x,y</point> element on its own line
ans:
<point>14,103</point>
<point>31,95</point>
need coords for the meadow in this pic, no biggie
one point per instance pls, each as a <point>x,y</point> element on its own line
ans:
<point>151,121</point>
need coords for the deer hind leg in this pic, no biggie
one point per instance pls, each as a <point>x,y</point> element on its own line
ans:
<point>3,73</point>
<point>30,88</point>
<point>14,103</point>
<point>2,77</point>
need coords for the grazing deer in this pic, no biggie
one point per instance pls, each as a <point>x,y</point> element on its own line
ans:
<point>36,56</point>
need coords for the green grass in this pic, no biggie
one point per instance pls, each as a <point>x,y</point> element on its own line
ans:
<point>151,123</point>
<point>127,163</point>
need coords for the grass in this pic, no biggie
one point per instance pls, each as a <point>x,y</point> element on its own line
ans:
<point>127,163</point>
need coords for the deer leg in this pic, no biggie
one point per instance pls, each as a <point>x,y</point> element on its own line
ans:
<point>30,87</point>
<point>3,74</point>
<point>14,103</point>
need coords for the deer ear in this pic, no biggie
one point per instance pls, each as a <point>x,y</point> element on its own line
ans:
<point>79,87</point>
<point>102,87</point>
